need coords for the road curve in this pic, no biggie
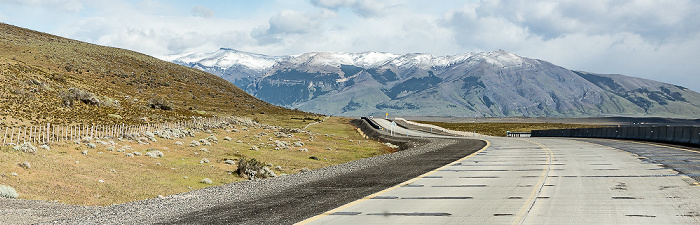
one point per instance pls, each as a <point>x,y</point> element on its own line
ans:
<point>534,181</point>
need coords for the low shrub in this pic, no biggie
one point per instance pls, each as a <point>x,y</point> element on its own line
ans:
<point>68,97</point>
<point>8,192</point>
<point>253,169</point>
<point>160,103</point>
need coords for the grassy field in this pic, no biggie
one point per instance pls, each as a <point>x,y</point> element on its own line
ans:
<point>500,129</point>
<point>103,177</point>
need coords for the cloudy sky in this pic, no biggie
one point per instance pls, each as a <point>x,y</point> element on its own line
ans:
<point>653,39</point>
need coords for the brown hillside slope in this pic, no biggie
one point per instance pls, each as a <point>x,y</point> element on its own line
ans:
<point>50,79</point>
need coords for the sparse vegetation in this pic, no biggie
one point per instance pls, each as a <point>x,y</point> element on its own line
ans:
<point>8,192</point>
<point>160,103</point>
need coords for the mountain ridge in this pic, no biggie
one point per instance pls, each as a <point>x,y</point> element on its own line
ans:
<point>51,79</point>
<point>493,84</point>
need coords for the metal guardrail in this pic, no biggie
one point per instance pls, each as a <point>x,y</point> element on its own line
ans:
<point>669,134</point>
<point>518,134</point>
<point>371,122</point>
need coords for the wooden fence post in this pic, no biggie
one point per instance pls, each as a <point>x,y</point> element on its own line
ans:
<point>4,137</point>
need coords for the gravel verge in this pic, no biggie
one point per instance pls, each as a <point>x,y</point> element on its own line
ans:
<point>282,200</point>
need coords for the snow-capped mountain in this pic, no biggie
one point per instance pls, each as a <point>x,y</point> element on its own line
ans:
<point>496,83</point>
<point>238,67</point>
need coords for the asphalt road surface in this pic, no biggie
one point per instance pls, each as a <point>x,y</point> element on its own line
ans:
<point>539,181</point>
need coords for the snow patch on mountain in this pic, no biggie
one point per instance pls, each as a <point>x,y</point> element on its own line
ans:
<point>225,58</point>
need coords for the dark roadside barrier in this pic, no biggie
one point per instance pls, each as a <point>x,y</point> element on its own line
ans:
<point>669,134</point>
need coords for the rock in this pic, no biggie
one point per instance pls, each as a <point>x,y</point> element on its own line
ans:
<point>267,172</point>
<point>25,165</point>
<point>227,138</point>
<point>254,148</point>
<point>204,160</point>
<point>44,147</point>
<point>25,147</point>
<point>278,167</point>
<point>178,143</point>
<point>154,154</point>
<point>230,162</point>
<point>137,154</point>
<point>298,144</point>
<point>84,152</point>
<point>212,139</point>
<point>303,150</point>
<point>13,174</point>
<point>314,158</point>
<point>303,170</point>
<point>207,181</point>
<point>91,145</point>
<point>129,155</point>
<point>205,142</point>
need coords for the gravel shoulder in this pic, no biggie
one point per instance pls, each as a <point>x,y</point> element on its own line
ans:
<point>282,200</point>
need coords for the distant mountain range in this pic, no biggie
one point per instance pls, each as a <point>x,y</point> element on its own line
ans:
<point>491,84</point>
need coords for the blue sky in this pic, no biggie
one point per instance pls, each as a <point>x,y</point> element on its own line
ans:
<point>652,39</point>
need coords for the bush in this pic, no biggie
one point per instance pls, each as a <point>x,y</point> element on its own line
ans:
<point>253,169</point>
<point>68,97</point>
<point>8,192</point>
<point>160,103</point>
<point>111,103</point>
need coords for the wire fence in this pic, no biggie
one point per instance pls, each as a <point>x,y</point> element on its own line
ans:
<point>50,133</point>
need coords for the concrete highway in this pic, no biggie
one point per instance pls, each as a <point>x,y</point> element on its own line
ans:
<point>534,181</point>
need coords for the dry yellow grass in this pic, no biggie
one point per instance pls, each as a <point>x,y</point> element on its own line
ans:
<point>65,175</point>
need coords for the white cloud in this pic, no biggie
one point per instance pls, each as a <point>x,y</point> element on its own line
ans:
<point>364,8</point>
<point>202,11</point>
<point>62,5</point>
<point>649,39</point>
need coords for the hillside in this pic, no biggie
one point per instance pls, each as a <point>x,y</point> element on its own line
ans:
<point>50,79</point>
<point>485,84</point>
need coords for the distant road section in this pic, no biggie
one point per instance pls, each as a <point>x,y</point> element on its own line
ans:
<point>401,131</point>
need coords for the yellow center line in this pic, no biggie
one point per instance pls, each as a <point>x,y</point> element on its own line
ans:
<point>309,220</point>
<point>530,202</point>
